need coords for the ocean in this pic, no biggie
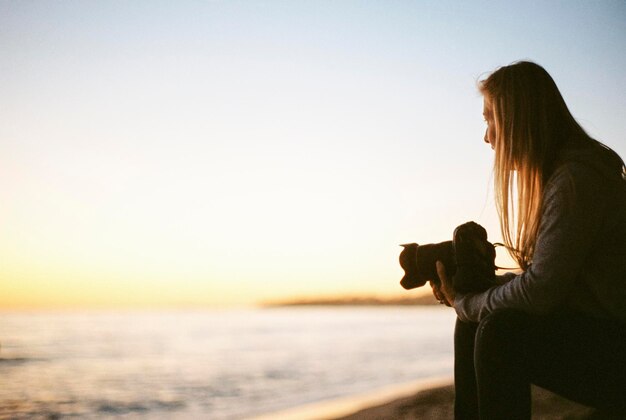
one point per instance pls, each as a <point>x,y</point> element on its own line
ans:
<point>215,364</point>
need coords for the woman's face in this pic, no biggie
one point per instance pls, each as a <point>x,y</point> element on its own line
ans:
<point>490,132</point>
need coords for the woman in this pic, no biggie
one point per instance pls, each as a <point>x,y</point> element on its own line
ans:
<point>561,199</point>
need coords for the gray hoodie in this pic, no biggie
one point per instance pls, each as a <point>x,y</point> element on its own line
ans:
<point>579,261</point>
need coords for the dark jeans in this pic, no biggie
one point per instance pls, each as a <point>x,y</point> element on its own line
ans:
<point>580,358</point>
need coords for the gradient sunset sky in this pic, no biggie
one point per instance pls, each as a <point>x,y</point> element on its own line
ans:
<point>177,153</point>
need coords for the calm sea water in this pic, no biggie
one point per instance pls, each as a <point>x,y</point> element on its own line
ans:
<point>226,364</point>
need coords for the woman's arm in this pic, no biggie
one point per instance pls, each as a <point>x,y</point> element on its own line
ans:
<point>504,278</point>
<point>572,213</point>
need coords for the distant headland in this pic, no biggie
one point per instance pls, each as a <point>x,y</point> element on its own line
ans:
<point>428,299</point>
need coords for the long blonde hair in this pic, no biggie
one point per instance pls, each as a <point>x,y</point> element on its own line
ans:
<point>532,123</point>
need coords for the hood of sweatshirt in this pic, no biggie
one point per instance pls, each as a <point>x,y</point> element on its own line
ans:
<point>597,156</point>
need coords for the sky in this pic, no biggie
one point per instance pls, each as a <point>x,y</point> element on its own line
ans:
<point>203,153</point>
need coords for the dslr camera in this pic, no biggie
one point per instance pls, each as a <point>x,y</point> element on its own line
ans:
<point>469,260</point>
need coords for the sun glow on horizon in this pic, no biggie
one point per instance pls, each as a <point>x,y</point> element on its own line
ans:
<point>229,153</point>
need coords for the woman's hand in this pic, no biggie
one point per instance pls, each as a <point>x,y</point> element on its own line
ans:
<point>445,293</point>
<point>439,294</point>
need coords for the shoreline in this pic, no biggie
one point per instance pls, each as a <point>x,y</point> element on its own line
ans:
<point>428,399</point>
<point>346,406</point>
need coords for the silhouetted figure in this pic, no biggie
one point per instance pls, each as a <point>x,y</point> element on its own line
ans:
<point>561,199</point>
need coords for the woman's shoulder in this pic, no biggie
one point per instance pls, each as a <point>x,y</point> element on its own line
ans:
<point>592,162</point>
<point>584,176</point>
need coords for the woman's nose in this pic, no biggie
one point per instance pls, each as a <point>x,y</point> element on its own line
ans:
<point>486,137</point>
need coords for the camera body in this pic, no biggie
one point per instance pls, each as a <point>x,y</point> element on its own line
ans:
<point>469,260</point>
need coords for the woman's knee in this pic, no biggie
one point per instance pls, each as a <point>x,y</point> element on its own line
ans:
<point>464,331</point>
<point>502,323</point>
<point>464,335</point>
<point>502,332</point>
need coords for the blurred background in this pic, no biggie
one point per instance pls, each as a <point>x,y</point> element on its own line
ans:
<point>221,154</point>
<point>199,153</point>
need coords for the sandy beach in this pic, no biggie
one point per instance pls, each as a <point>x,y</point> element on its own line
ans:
<point>437,403</point>
<point>426,399</point>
